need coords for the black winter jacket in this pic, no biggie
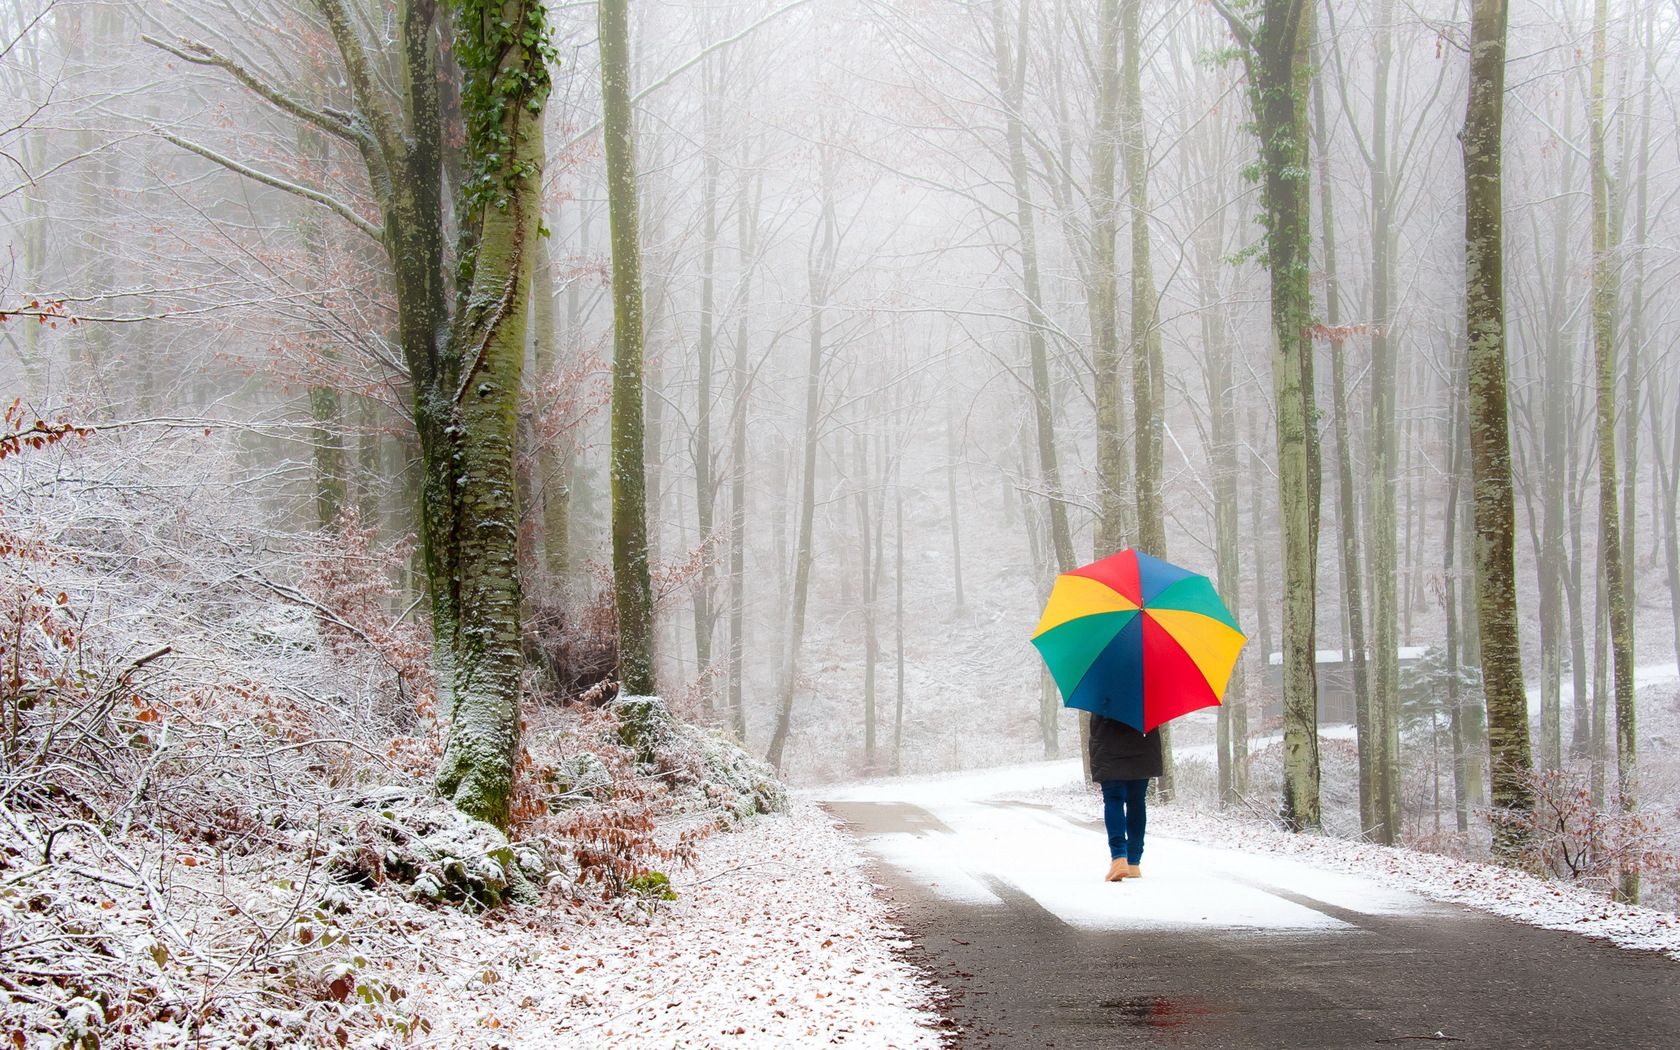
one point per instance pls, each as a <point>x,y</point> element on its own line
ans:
<point>1119,752</point>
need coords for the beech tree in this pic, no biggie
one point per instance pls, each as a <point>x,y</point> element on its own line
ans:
<point>1490,439</point>
<point>463,349</point>
<point>633,587</point>
<point>1275,49</point>
<point>1606,236</point>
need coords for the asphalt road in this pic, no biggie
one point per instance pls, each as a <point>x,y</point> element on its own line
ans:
<point>1245,971</point>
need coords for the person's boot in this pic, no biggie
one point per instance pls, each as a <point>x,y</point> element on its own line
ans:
<point>1118,870</point>
<point>1133,871</point>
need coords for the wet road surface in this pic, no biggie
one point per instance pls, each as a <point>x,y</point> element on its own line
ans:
<point>1215,949</point>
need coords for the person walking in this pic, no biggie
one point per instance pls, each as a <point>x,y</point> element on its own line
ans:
<point>1122,761</point>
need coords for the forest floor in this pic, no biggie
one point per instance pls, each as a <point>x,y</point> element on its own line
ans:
<point>1240,935</point>
<point>777,938</point>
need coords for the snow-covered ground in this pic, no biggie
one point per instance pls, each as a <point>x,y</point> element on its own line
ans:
<point>1035,829</point>
<point>777,938</point>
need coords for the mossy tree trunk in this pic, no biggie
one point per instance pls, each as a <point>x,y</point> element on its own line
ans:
<point>1276,52</point>
<point>1490,438</point>
<point>503,50</point>
<point>1606,236</point>
<point>632,583</point>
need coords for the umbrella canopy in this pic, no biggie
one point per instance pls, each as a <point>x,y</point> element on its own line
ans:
<point>1138,640</point>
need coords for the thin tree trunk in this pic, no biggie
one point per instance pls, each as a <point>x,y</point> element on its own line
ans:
<point>1148,375</point>
<point>1385,682</point>
<point>1226,471</point>
<point>1449,575</point>
<point>1369,741</point>
<point>1670,503</point>
<point>952,502</point>
<point>705,489</point>
<point>1600,692</point>
<point>1606,240</point>
<point>1574,591</point>
<point>555,461</point>
<point>1263,556</point>
<point>822,258</point>
<point>746,235</point>
<point>1105,326</point>
<point>1550,561</point>
<point>898,625</point>
<point>1011,77</point>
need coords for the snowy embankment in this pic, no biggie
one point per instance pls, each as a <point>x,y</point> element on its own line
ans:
<point>776,939</point>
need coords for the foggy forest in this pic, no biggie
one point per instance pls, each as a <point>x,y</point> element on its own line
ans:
<point>494,493</point>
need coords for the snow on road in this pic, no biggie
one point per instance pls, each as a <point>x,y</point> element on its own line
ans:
<point>969,837</point>
<point>1034,831</point>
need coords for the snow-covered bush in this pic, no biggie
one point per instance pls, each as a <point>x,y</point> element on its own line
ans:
<point>714,770</point>
<point>434,852</point>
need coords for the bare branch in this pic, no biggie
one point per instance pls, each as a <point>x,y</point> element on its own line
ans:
<point>334,121</point>
<point>307,193</point>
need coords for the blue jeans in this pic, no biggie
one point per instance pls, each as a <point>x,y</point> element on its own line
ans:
<point>1125,815</point>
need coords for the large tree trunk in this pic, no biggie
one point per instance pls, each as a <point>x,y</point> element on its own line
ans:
<point>1490,439</point>
<point>1606,239</point>
<point>632,585</point>
<point>1279,69</point>
<point>488,340</point>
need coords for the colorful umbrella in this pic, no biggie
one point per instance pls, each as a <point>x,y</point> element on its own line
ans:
<point>1138,640</point>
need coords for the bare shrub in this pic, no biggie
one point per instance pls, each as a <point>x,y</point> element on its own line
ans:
<point>1589,845</point>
